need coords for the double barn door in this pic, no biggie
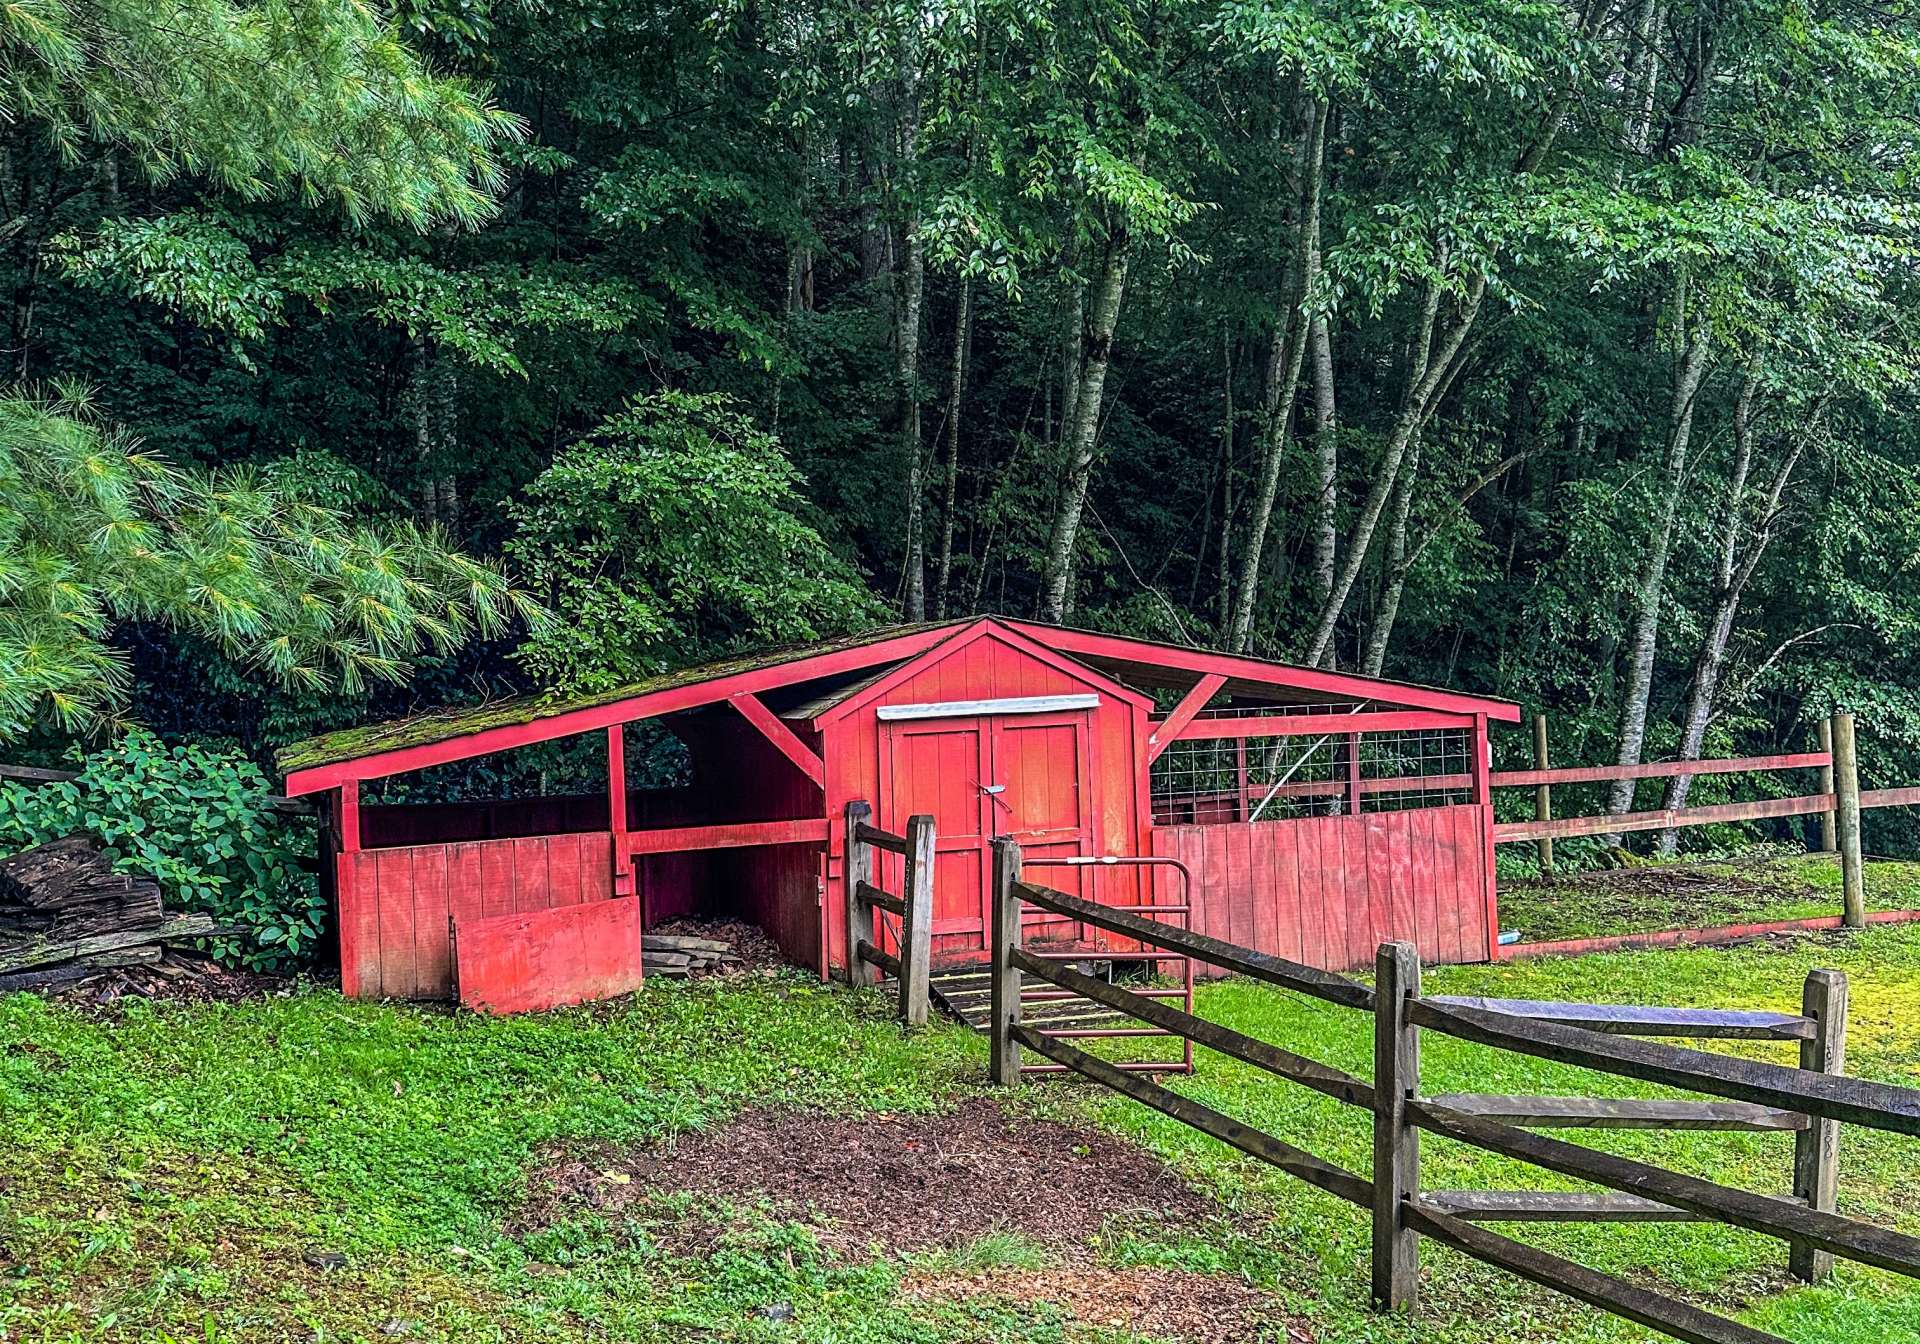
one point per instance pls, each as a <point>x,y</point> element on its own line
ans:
<point>1026,776</point>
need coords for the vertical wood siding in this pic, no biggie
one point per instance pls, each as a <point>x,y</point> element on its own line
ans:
<point>1329,890</point>
<point>401,900</point>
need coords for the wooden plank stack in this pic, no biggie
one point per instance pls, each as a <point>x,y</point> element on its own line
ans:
<point>682,957</point>
<point>66,915</point>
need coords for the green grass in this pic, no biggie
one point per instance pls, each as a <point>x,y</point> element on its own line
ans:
<point>1694,894</point>
<point>166,1171</point>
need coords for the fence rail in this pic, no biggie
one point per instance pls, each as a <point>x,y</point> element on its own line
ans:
<point>1838,801</point>
<point>911,968</point>
<point>1810,1101</point>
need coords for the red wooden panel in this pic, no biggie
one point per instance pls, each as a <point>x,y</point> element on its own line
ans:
<point>397,976</point>
<point>937,768</point>
<point>1426,894</point>
<point>497,878</point>
<point>432,943</point>
<point>1352,891</point>
<point>1461,839</point>
<point>1331,878</point>
<point>466,887</point>
<point>360,925</point>
<point>1241,907</point>
<point>532,883</point>
<point>564,875</point>
<point>545,958</point>
<point>1264,885</point>
<point>1316,920</point>
<point>1210,911</point>
<point>1476,935</point>
<point>1396,834</point>
<point>1292,936</point>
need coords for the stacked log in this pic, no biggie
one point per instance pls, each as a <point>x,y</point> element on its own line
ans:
<point>65,915</point>
<point>681,957</point>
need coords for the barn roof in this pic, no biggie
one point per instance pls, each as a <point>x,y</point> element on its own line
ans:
<point>426,739</point>
<point>352,744</point>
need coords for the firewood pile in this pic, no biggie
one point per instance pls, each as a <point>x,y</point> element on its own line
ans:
<point>65,915</point>
<point>680,957</point>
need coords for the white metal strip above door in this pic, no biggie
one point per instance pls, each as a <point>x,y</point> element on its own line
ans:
<point>965,709</point>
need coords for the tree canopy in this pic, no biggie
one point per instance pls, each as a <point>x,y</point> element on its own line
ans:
<point>1560,349</point>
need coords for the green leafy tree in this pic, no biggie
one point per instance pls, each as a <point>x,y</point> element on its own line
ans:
<point>95,533</point>
<point>316,98</point>
<point>675,532</point>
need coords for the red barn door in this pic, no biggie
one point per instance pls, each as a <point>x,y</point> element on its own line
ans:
<point>1024,775</point>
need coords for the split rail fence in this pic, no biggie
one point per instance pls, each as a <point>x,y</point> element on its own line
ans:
<point>1812,1101</point>
<point>911,908</point>
<point>1838,800</point>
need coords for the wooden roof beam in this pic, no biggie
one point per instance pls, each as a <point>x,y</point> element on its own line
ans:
<point>784,739</point>
<point>1191,703</point>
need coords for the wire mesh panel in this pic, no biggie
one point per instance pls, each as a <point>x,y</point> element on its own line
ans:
<point>1427,768</point>
<point>1198,781</point>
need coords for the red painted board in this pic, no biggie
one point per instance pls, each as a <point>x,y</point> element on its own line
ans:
<point>524,963</point>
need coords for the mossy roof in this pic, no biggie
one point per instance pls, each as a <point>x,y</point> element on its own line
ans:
<point>350,744</point>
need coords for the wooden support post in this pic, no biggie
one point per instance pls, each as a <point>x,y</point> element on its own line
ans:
<point>1240,779</point>
<point>858,869</point>
<point>1816,1149</point>
<point>1542,794</point>
<point>916,933</point>
<point>617,808</point>
<point>350,817</point>
<point>1353,775</point>
<point>1396,1142</point>
<point>1003,933</point>
<point>1846,793</point>
<point>1829,827</point>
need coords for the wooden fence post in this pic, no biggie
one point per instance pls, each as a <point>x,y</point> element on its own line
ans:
<point>1816,1149</point>
<point>1828,829</point>
<point>1846,793</point>
<point>916,932</point>
<point>1542,794</point>
<point>859,868</point>
<point>1004,933</point>
<point>1396,1142</point>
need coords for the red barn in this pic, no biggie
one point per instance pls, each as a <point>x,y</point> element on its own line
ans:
<point>1318,812</point>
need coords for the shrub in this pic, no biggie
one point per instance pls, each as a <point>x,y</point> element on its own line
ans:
<point>195,818</point>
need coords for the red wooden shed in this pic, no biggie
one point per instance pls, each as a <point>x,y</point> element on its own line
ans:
<point>1318,812</point>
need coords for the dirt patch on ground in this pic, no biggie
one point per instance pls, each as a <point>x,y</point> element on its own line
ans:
<point>1691,893</point>
<point>905,1183</point>
<point>1162,1303</point>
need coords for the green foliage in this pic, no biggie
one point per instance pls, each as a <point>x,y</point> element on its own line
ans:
<point>674,532</point>
<point>319,98</point>
<point>195,818</point>
<point>95,532</point>
<point>238,276</point>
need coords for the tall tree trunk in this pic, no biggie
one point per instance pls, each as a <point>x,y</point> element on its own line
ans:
<point>1229,421</point>
<point>956,394</point>
<point>911,287</point>
<point>1080,426</point>
<point>910,282</point>
<point>1396,564</point>
<point>1432,365</point>
<point>1730,584</point>
<point>1282,383</point>
<point>1326,451</point>
<point>1644,637</point>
